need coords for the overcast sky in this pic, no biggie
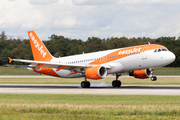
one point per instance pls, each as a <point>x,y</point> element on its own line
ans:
<point>80,19</point>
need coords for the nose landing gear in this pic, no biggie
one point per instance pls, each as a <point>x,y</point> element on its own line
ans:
<point>153,78</point>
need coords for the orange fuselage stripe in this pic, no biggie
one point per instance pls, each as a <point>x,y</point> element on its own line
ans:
<point>46,71</point>
<point>124,52</point>
<point>73,73</point>
<point>59,68</point>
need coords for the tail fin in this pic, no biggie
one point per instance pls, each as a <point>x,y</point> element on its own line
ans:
<point>39,50</point>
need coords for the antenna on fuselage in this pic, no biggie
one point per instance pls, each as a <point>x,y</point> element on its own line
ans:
<point>149,43</point>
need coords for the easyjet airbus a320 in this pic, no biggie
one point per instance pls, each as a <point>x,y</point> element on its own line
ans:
<point>138,61</point>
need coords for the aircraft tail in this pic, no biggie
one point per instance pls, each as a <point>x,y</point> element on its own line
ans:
<point>39,50</point>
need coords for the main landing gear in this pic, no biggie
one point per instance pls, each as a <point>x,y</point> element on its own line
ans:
<point>116,83</point>
<point>85,84</point>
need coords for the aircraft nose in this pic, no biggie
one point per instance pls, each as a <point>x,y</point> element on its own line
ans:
<point>171,57</point>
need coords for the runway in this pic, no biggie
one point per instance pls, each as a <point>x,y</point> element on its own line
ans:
<point>98,90</point>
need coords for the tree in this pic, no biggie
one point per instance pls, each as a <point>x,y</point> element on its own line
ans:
<point>5,53</point>
<point>3,37</point>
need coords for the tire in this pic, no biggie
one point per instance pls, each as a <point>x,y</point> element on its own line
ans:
<point>114,83</point>
<point>88,84</point>
<point>83,84</point>
<point>153,78</point>
<point>118,83</point>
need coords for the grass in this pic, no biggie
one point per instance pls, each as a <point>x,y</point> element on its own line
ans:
<point>90,101</point>
<point>24,71</point>
<point>16,71</point>
<point>167,71</point>
<point>44,106</point>
<point>105,81</point>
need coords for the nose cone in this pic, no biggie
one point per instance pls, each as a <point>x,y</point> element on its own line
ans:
<point>170,57</point>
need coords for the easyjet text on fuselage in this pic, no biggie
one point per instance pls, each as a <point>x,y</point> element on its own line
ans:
<point>130,51</point>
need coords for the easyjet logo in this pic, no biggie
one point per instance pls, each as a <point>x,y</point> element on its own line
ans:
<point>37,45</point>
<point>135,50</point>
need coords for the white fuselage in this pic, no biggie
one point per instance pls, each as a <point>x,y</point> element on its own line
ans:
<point>122,62</point>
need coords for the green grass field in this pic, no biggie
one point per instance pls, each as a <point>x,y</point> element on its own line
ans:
<point>16,71</point>
<point>44,106</point>
<point>107,80</point>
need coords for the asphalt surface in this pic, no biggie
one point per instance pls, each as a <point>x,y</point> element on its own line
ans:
<point>100,90</point>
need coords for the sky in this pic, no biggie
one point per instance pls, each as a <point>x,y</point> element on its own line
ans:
<point>80,19</point>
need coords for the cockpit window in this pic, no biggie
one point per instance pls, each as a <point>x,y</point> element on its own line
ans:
<point>159,50</point>
<point>164,50</point>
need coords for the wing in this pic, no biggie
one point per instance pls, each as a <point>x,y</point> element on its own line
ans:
<point>58,66</point>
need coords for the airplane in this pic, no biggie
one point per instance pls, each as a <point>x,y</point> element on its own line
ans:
<point>139,61</point>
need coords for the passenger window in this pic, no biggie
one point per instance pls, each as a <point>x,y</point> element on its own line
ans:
<point>155,50</point>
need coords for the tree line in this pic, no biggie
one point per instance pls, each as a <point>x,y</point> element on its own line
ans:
<point>61,46</point>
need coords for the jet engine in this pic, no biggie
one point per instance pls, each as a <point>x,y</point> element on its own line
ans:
<point>98,72</point>
<point>142,74</point>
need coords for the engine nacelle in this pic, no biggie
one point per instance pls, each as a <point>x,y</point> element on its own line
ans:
<point>141,74</point>
<point>98,72</point>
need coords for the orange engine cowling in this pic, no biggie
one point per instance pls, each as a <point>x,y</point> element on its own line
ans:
<point>141,74</point>
<point>98,72</point>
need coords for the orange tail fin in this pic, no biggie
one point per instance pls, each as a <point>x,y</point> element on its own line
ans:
<point>39,50</point>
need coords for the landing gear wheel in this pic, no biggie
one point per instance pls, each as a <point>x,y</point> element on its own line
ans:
<point>116,83</point>
<point>85,84</point>
<point>153,78</point>
<point>88,84</point>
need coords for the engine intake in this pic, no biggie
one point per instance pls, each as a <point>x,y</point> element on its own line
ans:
<point>141,74</point>
<point>98,72</point>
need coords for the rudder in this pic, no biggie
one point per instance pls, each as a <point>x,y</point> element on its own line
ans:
<point>39,50</point>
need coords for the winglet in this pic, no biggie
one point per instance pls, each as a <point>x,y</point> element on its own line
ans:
<point>10,59</point>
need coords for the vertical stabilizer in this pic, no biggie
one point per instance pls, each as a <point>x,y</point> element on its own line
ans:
<point>39,50</point>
